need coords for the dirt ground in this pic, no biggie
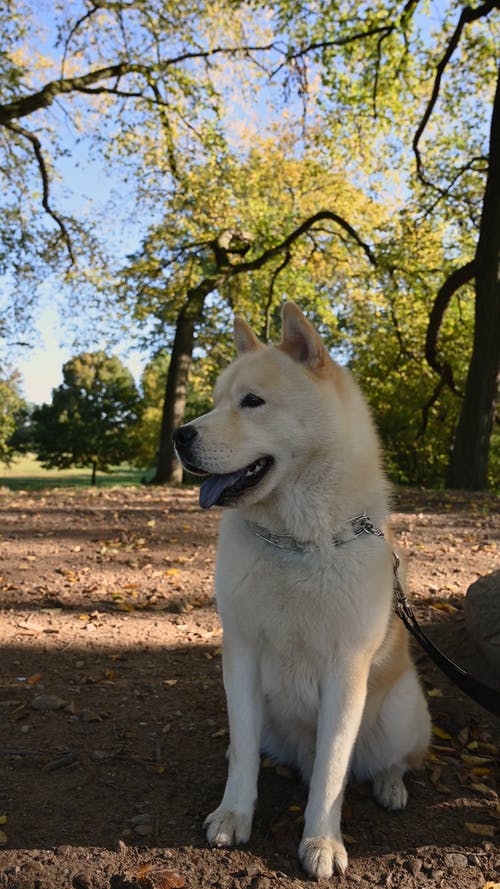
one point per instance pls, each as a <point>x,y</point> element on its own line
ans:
<point>112,718</point>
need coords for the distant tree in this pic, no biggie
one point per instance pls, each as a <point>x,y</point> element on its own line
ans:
<point>91,418</point>
<point>11,407</point>
<point>147,431</point>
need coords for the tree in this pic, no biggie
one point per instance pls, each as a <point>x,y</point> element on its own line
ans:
<point>91,416</point>
<point>377,90</point>
<point>441,86</point>
<point>471,450</point>
<point>385,338</point>
<point>12,406</point>
<point>123,80</point>
<point>227,242</point>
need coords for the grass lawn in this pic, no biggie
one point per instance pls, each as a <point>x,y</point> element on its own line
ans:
<point>27,474</point>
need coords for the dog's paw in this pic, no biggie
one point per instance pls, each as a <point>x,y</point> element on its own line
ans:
<point>226,828</point>
<point>389,789</point>
<point>322,857</point>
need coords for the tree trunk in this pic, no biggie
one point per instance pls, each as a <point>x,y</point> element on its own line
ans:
<point>168,469</point>
<point>94,471</point>
<point>469,460</point>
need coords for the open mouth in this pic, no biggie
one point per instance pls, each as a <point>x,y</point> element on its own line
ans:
<point>225,490</point>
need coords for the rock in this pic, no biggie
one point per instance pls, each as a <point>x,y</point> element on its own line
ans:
<point>142,824</point>
<point>64,851</point>
<point>99,756</point>
<point>455,860</point>
<point>88,715</point>
<point>143,818</point>
<point>143,829</point>
<point>262,883</point>
<point>482,616</point>
<point>82,881</point>
<point>47,702</point>
<point>66,759</point>
<point>414,866</point>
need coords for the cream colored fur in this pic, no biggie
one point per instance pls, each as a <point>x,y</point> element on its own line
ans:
<point>316,670</point>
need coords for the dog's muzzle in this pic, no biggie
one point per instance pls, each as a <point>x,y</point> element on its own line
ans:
<point>223,489</point>
<point>184,438</point>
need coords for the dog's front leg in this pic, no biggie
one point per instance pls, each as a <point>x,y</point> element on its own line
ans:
<point>321,850</point>
<point>231,822</point>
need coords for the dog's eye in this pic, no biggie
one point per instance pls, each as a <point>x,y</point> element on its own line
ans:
<point>251,400</point>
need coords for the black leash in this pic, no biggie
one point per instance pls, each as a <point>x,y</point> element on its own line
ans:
<point>483,694</point>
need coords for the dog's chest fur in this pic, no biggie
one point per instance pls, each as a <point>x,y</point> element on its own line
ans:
<point>295,607</point>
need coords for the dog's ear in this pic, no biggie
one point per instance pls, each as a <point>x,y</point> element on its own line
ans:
<point>300,340</point>
<point>244,337</point>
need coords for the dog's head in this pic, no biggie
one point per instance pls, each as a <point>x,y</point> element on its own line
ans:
<point>272,415</point>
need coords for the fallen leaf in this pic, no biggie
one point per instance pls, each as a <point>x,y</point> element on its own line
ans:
<point>489,748</point>
<point>88,715</point>
<point>170,879</point>
<point>348,838</point>
<point>481,830</point>
<point>3,838</point>
<point>440,733</point>
<point>431,757</point>
<point>32,680</point>
<point>435,775</point>
<point>444,606</point>
<point>471,760</point>
<point>482,788</point>
<point>3,819</point>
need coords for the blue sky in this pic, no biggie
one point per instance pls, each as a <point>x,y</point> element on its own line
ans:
<point>41,367</point>
<point>86,184</point>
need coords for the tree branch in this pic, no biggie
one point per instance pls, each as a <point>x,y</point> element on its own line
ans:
<point>44,97</point>
<point>37,148</point>
<point>426,408</point>
<point>270,295</point>
<point>257,263</point>
<point>380,31</point>
<point>453,282</point>
<point>467,15</point>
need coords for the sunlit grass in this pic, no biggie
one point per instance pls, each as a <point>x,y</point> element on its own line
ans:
<point>27,474</point>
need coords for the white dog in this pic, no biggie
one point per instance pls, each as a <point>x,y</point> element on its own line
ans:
<point>316,668</point>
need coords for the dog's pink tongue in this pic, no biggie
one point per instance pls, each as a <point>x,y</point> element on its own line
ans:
<point>214,486</point>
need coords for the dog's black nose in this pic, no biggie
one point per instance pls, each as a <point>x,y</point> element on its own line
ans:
<point>184,435</point>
